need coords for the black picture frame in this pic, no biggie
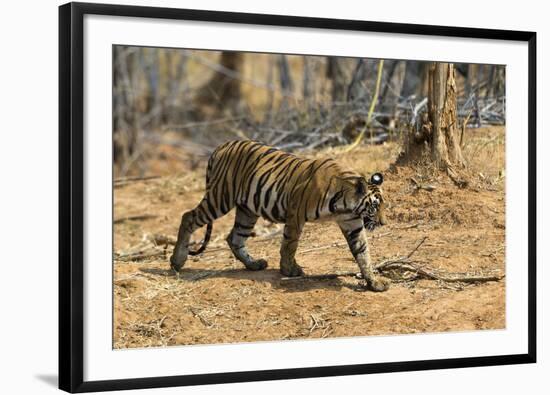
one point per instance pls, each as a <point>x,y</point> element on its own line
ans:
<point>71,198</point>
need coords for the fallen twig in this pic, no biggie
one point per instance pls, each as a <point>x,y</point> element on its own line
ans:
<point>120,182</point>
<point>197,313</point>
<point>418,186</point>
<point>140,256</point>
<point>417,246</point>
<point>404,264</point>
<point>421,273</point>
<point>328,276</point>
<point>416,225</point>
<point>134,218</point>
<point>380,235</point>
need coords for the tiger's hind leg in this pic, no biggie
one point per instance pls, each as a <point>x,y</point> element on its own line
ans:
<point>189,224</point>
<point>205,213</point>
<point>244,223</point>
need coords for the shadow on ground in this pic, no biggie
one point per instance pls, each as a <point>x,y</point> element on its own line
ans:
<point>272,276</point>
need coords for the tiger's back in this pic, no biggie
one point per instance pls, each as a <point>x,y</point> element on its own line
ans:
<point>266,180</point>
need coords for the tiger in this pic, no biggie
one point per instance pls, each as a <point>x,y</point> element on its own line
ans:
<point>264,181</point>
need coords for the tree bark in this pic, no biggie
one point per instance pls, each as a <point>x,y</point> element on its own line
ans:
<point>440,129</point>
<point>442,109</point>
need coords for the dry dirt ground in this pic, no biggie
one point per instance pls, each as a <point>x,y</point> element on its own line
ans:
<point>215,300</point>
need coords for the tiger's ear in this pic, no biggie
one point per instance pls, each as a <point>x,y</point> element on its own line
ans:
<point>377,179</point>
<point>362,186</point>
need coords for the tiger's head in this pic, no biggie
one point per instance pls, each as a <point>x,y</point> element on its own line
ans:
<point>370,201</point>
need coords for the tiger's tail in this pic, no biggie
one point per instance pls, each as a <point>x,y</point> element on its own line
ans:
<point>205,242</point>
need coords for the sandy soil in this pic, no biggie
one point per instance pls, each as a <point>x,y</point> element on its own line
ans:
<point>215,300</point>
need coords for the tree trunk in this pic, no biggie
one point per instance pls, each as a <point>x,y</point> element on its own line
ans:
<point>268,113</point>
<point>223,90</point>
<point>442,111</point>
<point>308,90</point>
<point>176,88</point>
<point>356,88</point>
<point>472,88</point>
<point>125,123</point>
<point>149,64</point>
<point>336,72</point>
<point>440,128</point>
<point>391,66</point>
<point>287,89</point>
<point>415,81</point>
<point>285,80</point>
